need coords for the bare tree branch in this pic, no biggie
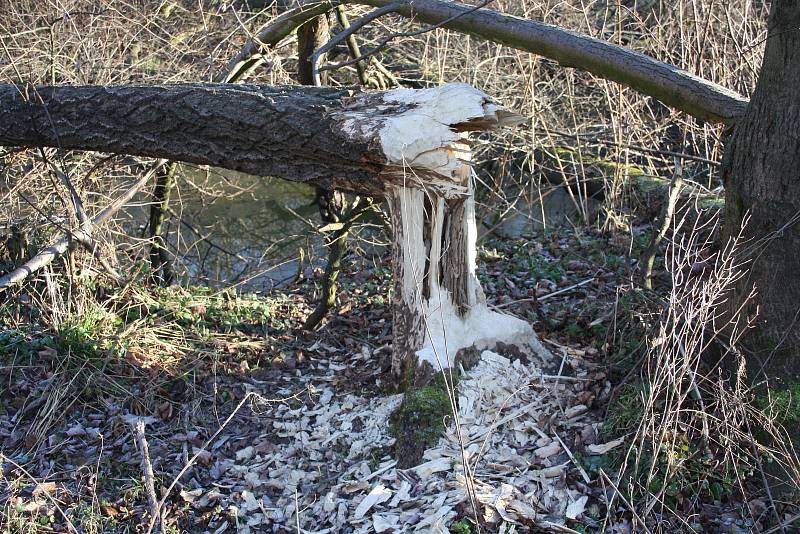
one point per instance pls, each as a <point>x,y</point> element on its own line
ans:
<point>669,84</point>
<point>269,37</point>
<point>344,34</point>
<point>47,255</point>
<point>391,37</point>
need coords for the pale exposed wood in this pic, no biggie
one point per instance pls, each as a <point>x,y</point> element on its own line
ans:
<point>408,272</point>
<point>405,144</point>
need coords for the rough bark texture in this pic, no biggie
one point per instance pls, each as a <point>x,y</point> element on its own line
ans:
<point>406,144</point>
<point>455,272</point>
<point>311,36</point>
<point>762,178</point>
<point>295,133</point>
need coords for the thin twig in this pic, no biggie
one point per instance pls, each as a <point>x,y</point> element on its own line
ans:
<point>618,493</point>
<point>47,255</point>
<point>147,471</point>
<point>270,36</point>
<point>581,470</point>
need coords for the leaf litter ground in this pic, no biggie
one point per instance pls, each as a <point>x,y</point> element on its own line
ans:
<point>310,442</point>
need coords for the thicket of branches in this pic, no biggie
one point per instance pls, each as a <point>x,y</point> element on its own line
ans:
<point>85,42</point>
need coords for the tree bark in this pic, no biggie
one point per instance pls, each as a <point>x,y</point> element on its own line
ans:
<point>672,86</point>
<point>311,36</point>
<point>761,171</point>
<point>334,138</point>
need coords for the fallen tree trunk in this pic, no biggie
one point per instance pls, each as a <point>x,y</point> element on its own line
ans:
<point>673,86</point>
<point>407,145</point>
<point>335,138</point>
<point>296,133</point>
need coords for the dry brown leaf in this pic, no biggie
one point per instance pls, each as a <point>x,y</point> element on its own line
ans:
<point>44,487</point>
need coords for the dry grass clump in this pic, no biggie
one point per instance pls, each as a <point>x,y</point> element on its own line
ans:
<point>700,448</point>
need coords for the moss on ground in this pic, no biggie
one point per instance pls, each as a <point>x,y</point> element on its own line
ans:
<point>602,167</point>
<point>419,422</point>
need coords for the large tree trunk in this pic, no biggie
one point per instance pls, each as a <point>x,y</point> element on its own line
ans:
<point>762,179</point>
<point>762,190</point>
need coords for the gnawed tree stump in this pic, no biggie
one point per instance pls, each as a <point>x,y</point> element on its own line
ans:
<point>438,305</point>
<point>407,145</point>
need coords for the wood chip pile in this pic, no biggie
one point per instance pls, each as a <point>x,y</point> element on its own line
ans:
<point>328,467</point>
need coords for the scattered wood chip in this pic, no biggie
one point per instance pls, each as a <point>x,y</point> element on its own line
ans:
<point>378,495</point>
<point>605,447</point>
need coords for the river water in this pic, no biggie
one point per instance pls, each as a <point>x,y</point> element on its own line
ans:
<point>232,228</point>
